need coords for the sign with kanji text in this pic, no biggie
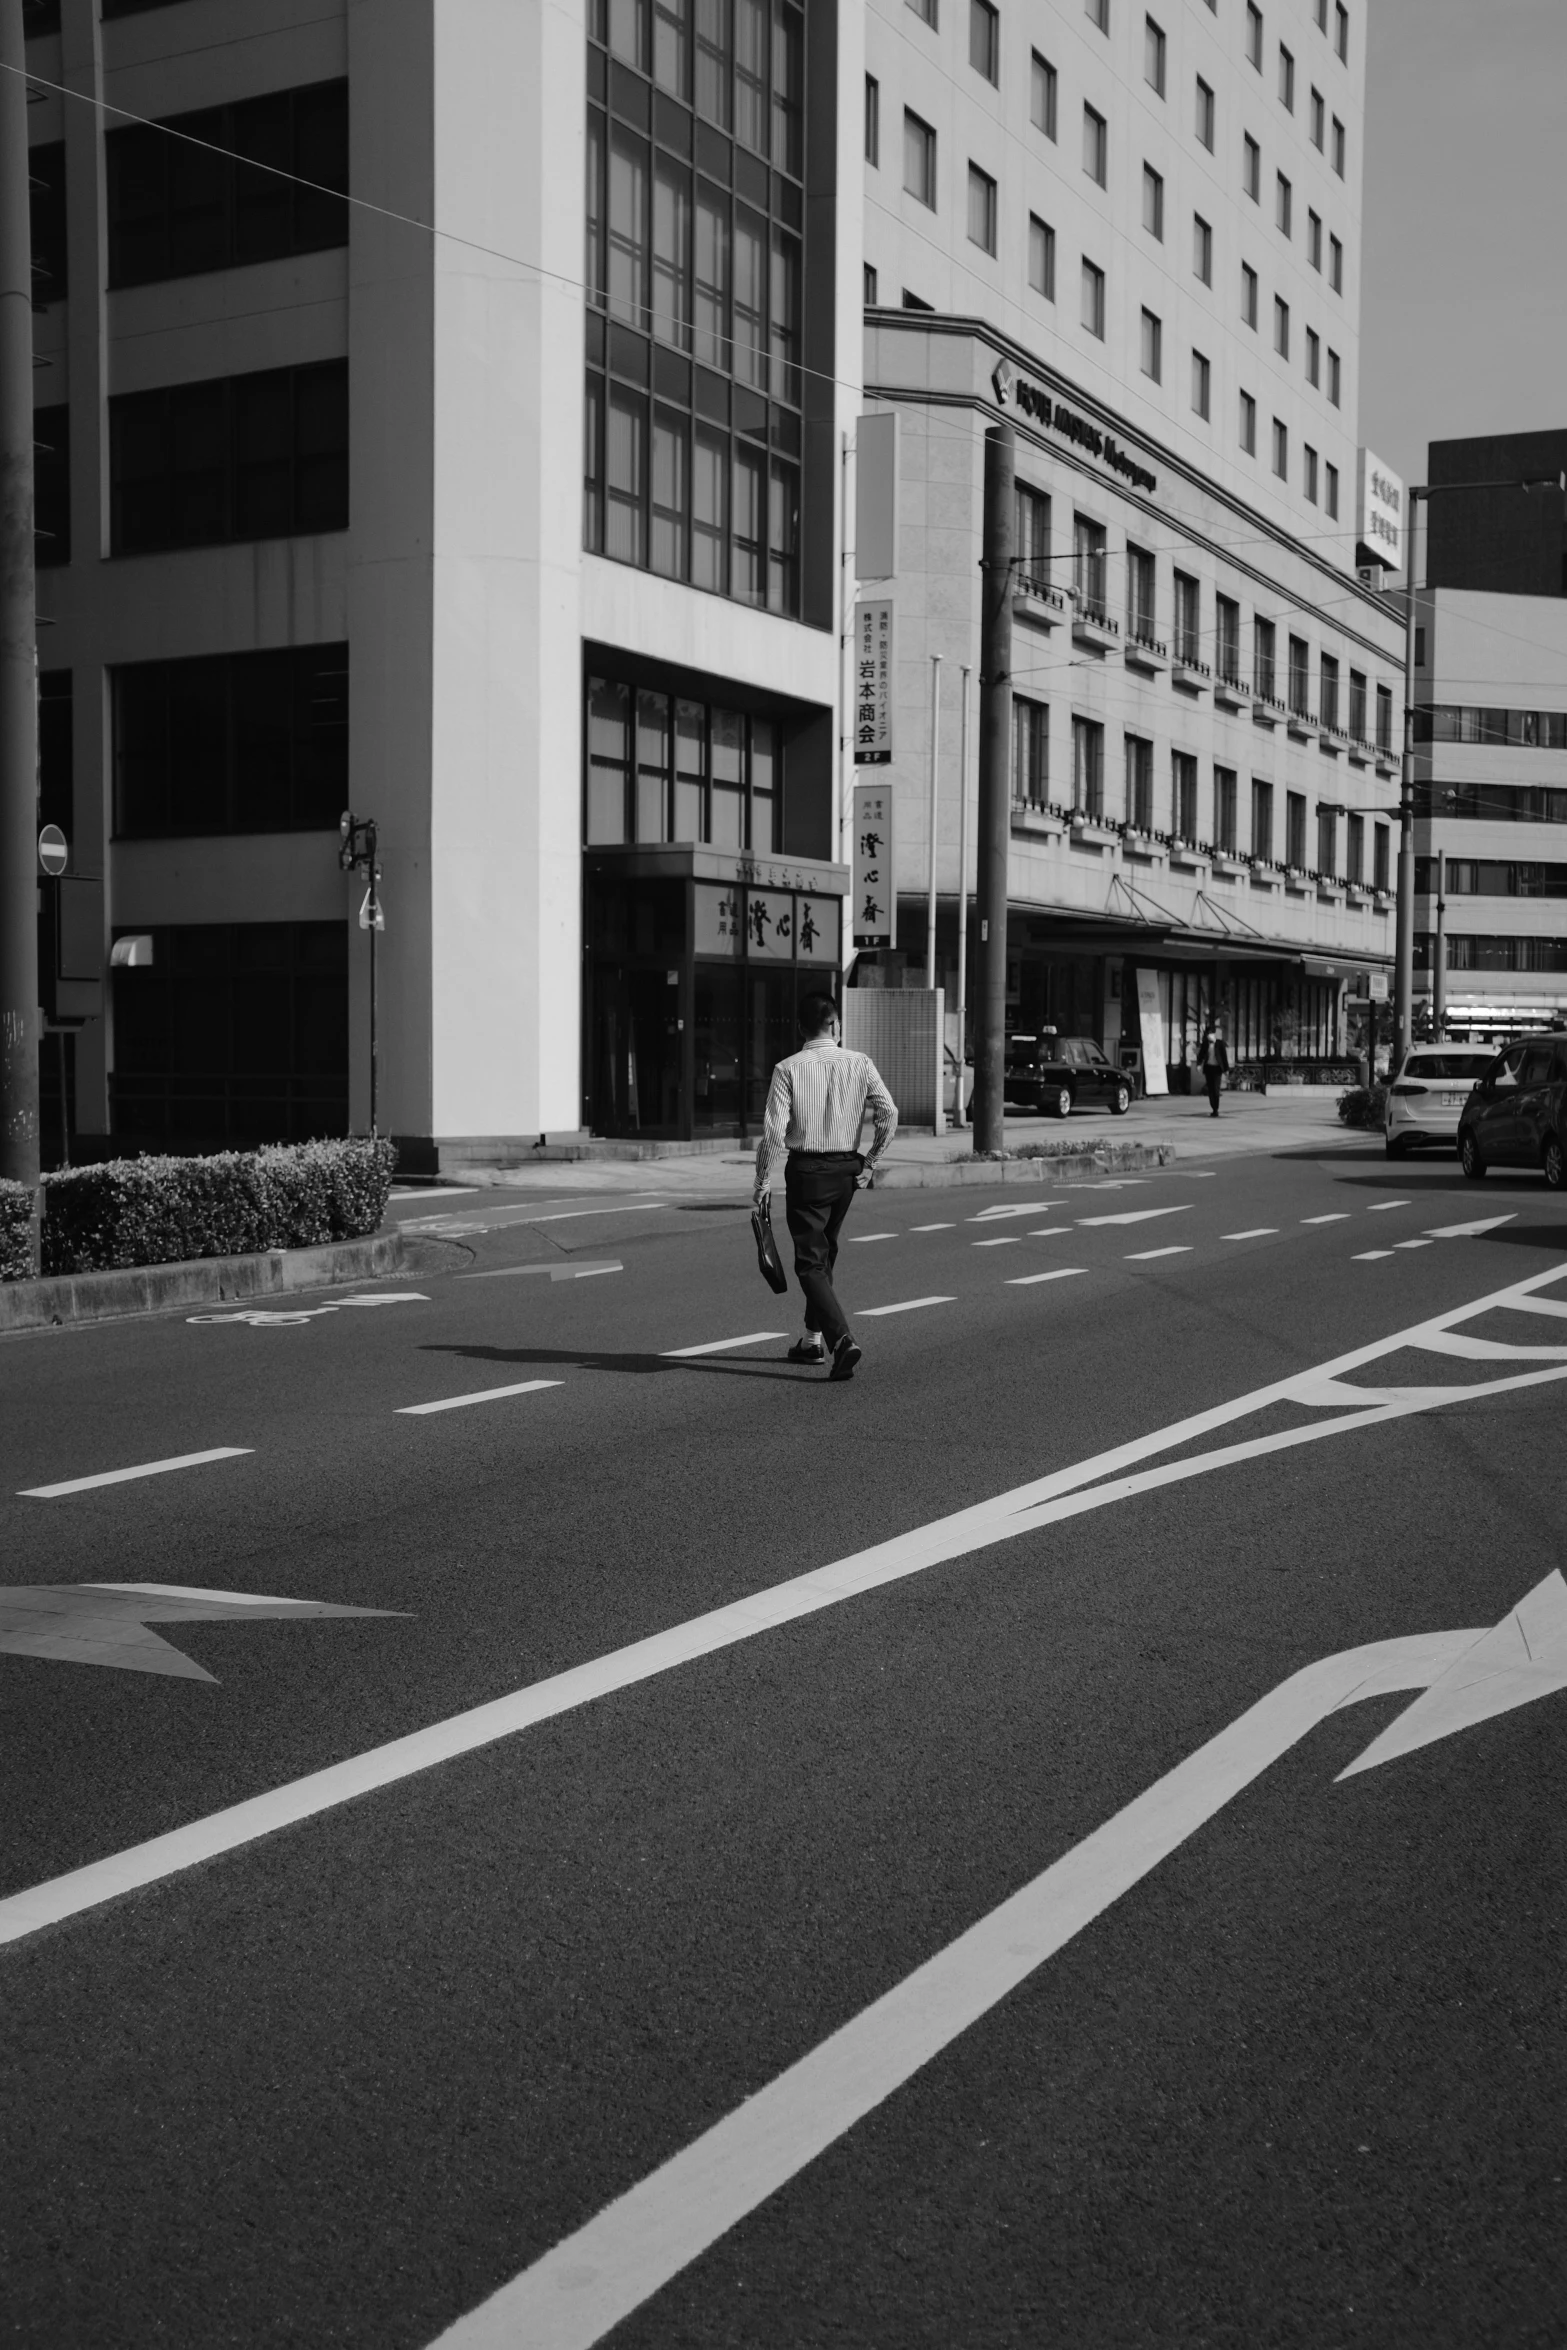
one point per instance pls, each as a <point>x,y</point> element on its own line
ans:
<point>873,909</point>
<point>873,685</point>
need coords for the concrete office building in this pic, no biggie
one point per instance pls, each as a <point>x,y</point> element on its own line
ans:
<point>540,574</point>
<point>1491,739</point>
<point>1134,233</point>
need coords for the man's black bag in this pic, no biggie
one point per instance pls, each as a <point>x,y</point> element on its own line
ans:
<point>767,1256</point>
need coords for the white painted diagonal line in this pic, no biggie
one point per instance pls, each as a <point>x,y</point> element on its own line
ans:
<point>563,1271</point>
<point>719,1346</point>
<point>1379,1207</point>
<point>1061,1494</point>
<point>1369,1256</point>
<point>455,1403</point>
<point>909,1305</point>
<point>592,2280</point>
<point>180,1460</point>
<point>1468,1231</point>
<point>1257,1232</point>
<point>1138,1215</point>
<point>1057,1273</point>
<point>1143,1256</point>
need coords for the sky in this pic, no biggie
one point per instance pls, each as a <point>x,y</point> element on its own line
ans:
<point>1463,320</point>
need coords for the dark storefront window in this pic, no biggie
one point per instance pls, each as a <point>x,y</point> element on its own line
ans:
<point>56,747</point>
<point>237,1034</point>
<point>664,768</point>
<point>178,206</point>
<point>237,742</point>
<point>242,457</point>
<point>51,486</point>
<point>694,268</point>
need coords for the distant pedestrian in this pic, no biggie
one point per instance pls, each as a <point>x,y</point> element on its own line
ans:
<point>815,1107</point>
<point>1213,1059</point>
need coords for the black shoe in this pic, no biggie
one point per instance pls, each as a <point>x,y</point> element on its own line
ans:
<point>845,1355</point>
<point>813,1350</point>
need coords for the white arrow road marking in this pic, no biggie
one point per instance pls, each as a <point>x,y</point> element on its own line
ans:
<point>1138,1215</point>
<point>1031,1207</point>
<point>455,1403</point>
<point>1467,1231</point>
<point>1524,1658</point>
<point>720,1346</point>
<point>180,1460</point>
<point>1088,1485</point>
<point>573,2296</point>
<point>107,1623</point>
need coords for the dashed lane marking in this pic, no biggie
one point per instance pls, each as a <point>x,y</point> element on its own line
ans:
<point>909,1305</point>
<point>933,1227</point>
<point>1379,1207</point>
<point>1414,1244</point>
<point>455,1403</point>
<point>861,1237</point>
<point>1141,1256</point>
<point>1031,1207</point>
<point>1007,1240</point>
<point>1339,1216</point>
<point>1052,1232</point>
<point>1056,1273</point>
<point>181,1460</point>
<point>1257,1232</point>
<point>719,1346</point>
<point>1369,1256</point>
<point>1138,1215</point>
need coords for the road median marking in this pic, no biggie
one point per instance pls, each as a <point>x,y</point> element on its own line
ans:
<point>1338,1407</point>
<point>179,1460</point>
<point>455,1403</point>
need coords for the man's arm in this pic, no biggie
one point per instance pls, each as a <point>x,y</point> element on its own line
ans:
<point>775,1127</point>
<point>884,1116</point>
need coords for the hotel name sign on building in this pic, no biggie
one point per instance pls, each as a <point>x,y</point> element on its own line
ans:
<point>1030,399</point>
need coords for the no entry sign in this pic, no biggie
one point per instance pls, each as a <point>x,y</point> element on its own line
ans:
<point>54,850</point>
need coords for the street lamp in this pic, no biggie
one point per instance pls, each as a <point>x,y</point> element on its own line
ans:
<point>357,854</point>
<point>1404,964</point>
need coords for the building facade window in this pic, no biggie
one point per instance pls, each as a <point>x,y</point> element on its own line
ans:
<point>1088,767</point>
<point>1153,55</point>
<point>1355,851</point>
<point>1205,114</point>
<point>1263,644</point>
<point>1248,424</point>
<point>1308,473</point>
<point>1139,783</point>
<point>1096,146</point>
<point>1202,249</point>
<point>925,10</point>
<point>1262,820</point>
<point>1151,346</point>
<point>1341,31</point>
<point>1283,211</point>
<point>1183,795</point>
<point>46,222</point>
<point>1153,202</point>
<point>1317,115</point>
<point>1093,299</point>
<point>1300,677</point>
<point>661,767</point>
<point>1141,617</point>
<point>1330,491</point>
<point>1225,795</point>
<point>872,121</point>
<point>1328,710</point>
<point>870,286</point>
<point>981,209</point>
<point>1089,563</point>
<point>984,40</point>
<point>1281,449</point>
<point>1227,639</point>
<point>1286,79</point>
<point>1338,146</point>
<point>1188,620</point>
<point>1042,95</point>
<point>1202,386</point>
<point>1249,294</point>
<point>1295,831</point>
<point>1041,257</point>
<point>1251,167</point>
<point>1254,34</point>
<point>239,457</point>
<point>56,751</point>
<point>1357,705</point>
<point>1313,356</point>
<point>52,486</point>
<point>1379,873</point>
<point>1281,326</point>
<point>1030,752</point>
<point>176,206</point>
<point>1336,265</point>
<point>1334,378</point>
<point>1314,239</point>
<point>919,159</point>
<point>231,743</point>
<point>1098,13</point>
<point>1032,530</point>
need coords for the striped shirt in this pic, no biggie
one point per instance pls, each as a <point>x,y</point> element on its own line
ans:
<point>817,1102</point>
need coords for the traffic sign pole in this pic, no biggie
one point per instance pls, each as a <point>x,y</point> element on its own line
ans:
<point>18,659</point>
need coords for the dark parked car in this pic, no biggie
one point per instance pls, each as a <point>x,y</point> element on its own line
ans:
<point>1059,1073</point>
<point>1517,1113</point>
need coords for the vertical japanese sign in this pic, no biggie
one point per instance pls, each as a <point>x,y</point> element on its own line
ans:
<point>875,904</point>
<point>1150,1022</point>
<point>873,685</point>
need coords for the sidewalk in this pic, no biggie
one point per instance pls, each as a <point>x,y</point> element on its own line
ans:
<point>1153,1133</point>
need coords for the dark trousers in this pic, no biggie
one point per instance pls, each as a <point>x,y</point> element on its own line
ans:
<point>1214,1079</point>
<point>819,1189</point>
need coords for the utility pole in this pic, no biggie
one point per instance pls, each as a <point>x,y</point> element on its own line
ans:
<point>1404,916</point>
<point>358,852</point>
<point>960,1113</point>
<point>935,794</point>
<point>1439,952</point>
<point>18,656</point>
<point>995,814</point>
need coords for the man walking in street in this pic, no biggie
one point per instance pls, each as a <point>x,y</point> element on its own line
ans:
<point>816,1105</point>
<point>1214,1060</point>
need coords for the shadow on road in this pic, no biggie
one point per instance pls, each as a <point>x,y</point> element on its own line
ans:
<point>735,1365</point>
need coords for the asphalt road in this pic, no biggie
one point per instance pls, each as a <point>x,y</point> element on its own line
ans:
<point>1294,2076</point>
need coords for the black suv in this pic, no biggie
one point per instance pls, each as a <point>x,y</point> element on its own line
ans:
<point>1057,1073</point>
<point>1517,1113</point>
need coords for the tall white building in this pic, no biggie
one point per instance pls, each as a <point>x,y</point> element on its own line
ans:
<point>502,504</point>
<point>1134,233</point>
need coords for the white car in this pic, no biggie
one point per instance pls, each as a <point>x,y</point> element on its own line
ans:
<point>1429,1091</point>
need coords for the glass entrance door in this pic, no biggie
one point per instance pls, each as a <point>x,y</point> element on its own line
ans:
<point>638,1050</point>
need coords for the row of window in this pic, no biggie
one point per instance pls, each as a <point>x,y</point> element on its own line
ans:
<point>1490,803</point>
<point>740,64</point>
<point>1476,952</point>
<point>662,768</point>
<point>1098,13</point>
<point>1141,811</point>
<point>1462,722</point>
<point>1491,877</point>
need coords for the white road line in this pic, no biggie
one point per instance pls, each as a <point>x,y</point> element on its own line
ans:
<point>1257,1232</point>
<point>182,1460</point>
<point>1414,1244</point>
<point>585,2285</point>
<point>719,1346</point>
<point>1469,1231</point>
<point>1380,1207</point>
<point>1057,1273</point>
<point>1141,1256</point>
<point>1092,1484</point>
<point>933,1227</point>
<point>565,1215</point>
<point>862,1237</point>
<point>1369,1256</point>
<point>1138,1215</point>
<point>1031,1207</point>
<point>554,1272</point>
<point>1339,1216</point>
<point>909,1305</point>
<point>455,1403</point>
<point>1051,1232</point>
<point>1007,1240</point>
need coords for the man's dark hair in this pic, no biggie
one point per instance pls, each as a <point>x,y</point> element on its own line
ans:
<point>816,1010</point>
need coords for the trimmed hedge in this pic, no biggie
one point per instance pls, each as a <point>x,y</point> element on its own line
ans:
<point>16,1239</point>
<point>1364,1105</point>
<point>161,1211</point>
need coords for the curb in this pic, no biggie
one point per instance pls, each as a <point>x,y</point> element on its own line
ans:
<point>1089,1159</point>
<point>152,1289</point>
